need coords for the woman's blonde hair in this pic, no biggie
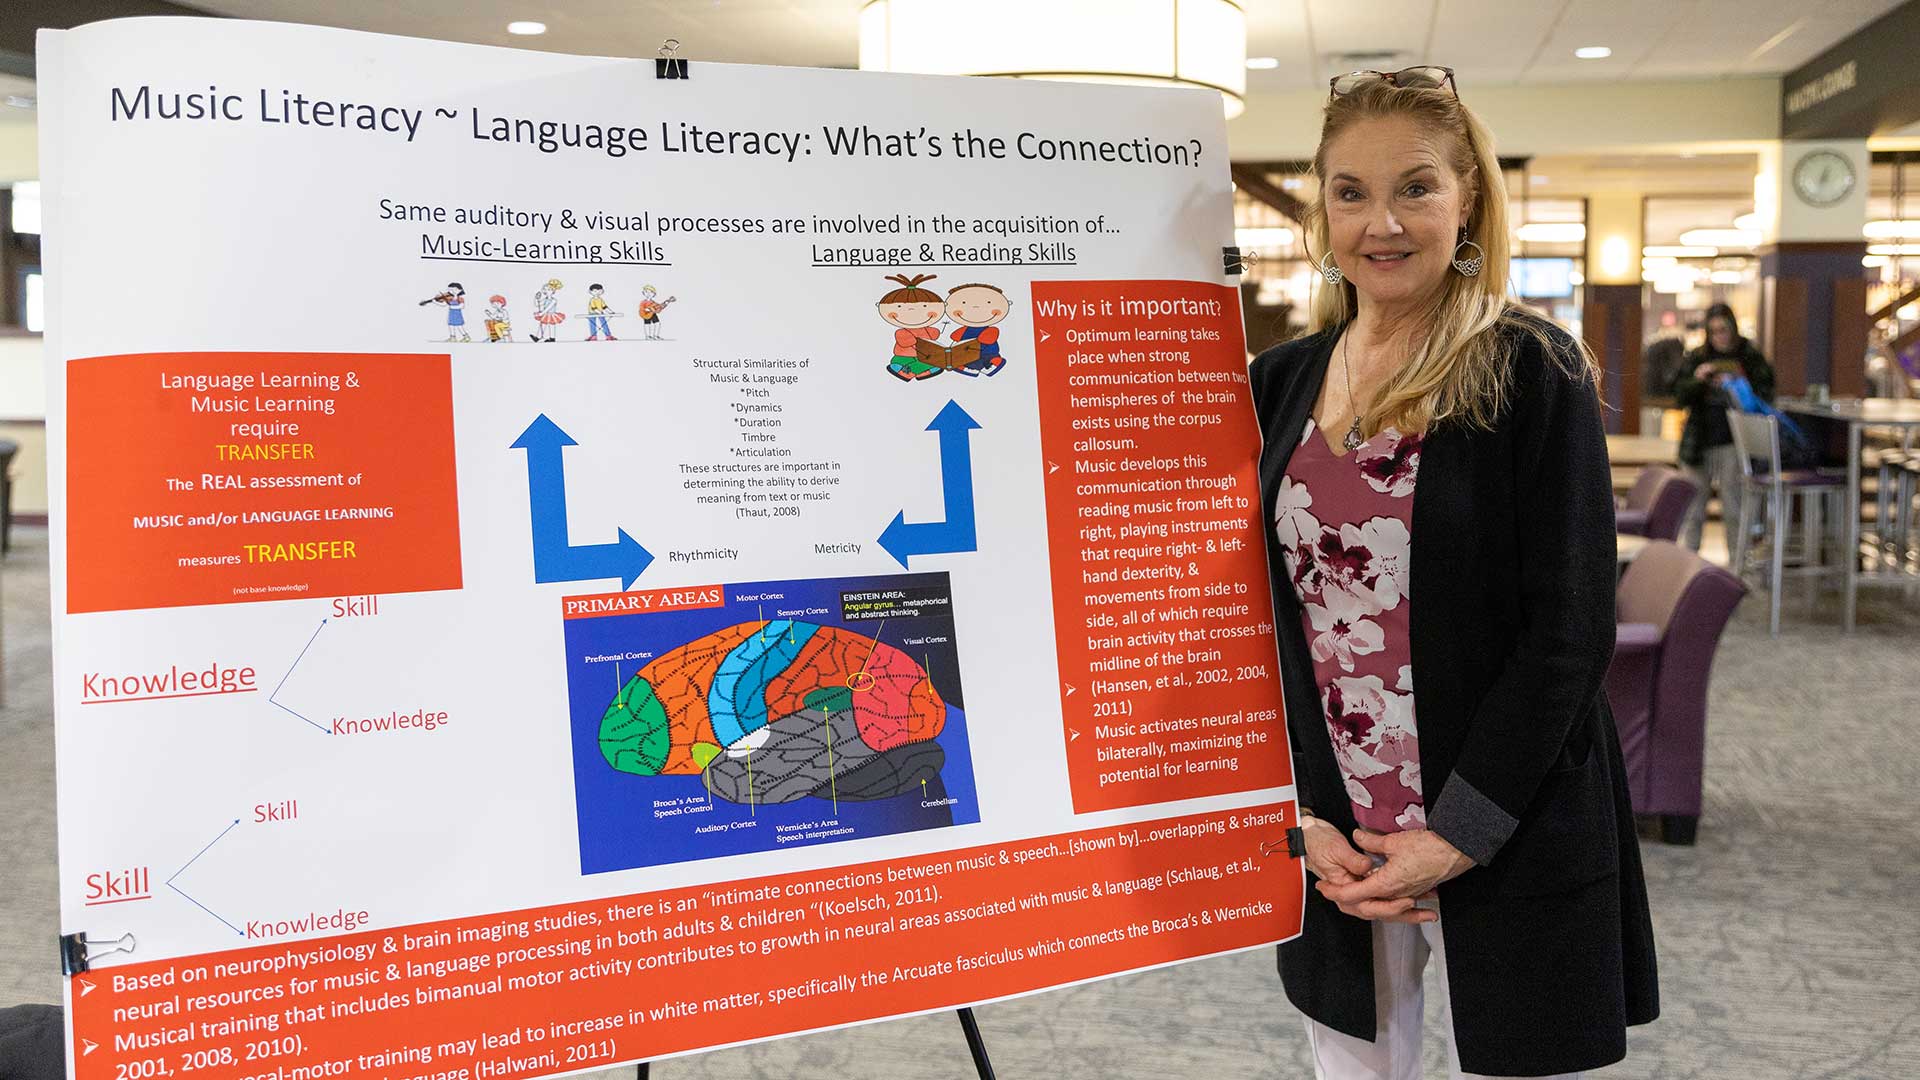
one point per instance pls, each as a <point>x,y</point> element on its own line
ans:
<point>1462,370</point>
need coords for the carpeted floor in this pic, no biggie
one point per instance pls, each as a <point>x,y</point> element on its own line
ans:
<point>1789,947</point>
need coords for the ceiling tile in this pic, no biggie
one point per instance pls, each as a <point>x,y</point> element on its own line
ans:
<point>1340,26</point>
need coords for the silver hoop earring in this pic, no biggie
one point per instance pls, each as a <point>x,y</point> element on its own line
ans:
<point>1468,267</point>
<point>1330,270</point>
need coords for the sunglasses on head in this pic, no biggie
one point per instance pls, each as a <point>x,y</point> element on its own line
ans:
<point>1424,77</point>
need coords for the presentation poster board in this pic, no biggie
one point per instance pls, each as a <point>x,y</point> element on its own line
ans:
<point>555,566</point>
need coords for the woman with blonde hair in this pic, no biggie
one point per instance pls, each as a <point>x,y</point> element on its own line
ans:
<point>1436,478</point>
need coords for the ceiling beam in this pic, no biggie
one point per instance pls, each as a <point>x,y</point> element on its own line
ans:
<point>1253,180</point>
<point>1899,345</point>
<point>1906,298</point>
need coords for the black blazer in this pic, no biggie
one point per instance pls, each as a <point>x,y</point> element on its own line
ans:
<point>1549,944</point>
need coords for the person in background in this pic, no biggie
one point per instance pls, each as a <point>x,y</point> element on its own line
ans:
<point>1491,832</point>
<point>1885,377</point>
<point>1706,442</point>
<point>1663,359</point>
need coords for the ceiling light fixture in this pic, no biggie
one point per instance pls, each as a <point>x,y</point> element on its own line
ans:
<point>1749,222</point>
<point>1891,229</point>
<point>1593,52</point>
<point>1552,232</point>
<point>1893,249</point>
<point>1264,237</point>
<point>526,28</point>
<point>1679,251</point>
<point>1616,257</point>
<point>1721,237</point>
<point>1199,43</point>
<point>1672,282</point>
<point>1262,63</point>
<point>1725,277</point>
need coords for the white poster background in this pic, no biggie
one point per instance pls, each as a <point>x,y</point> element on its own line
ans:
<point>224,235</point>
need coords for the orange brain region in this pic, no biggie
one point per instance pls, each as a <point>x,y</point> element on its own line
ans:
<point>778,711</point>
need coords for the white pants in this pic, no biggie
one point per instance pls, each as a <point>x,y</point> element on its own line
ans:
<point>1399,959</point>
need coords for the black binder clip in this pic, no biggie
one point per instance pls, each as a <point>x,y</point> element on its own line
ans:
<point>1295,845</point>
<point>77,953</point>
<point>1233,261</point>
<point>669,66</point>
<point>73,954</point>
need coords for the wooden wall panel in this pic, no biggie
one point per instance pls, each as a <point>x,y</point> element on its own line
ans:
<point>1849,338</point>
<point>1787,334</point>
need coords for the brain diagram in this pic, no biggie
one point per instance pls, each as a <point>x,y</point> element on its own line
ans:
<point>774,712</point>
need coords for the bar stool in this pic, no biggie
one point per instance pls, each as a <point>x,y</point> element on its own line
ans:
<point>1906,517</point>
<point>1890,524</point>
<point>1756,440</point>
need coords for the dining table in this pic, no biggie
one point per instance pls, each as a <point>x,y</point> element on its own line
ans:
<point>1627,547</point>
<point>1641,450</point>
<point>1858,414</point>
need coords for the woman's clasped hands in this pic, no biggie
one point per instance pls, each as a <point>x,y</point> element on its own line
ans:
<point>1408,867</point>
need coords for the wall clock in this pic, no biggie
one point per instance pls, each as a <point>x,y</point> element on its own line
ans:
<point>1822,178</point>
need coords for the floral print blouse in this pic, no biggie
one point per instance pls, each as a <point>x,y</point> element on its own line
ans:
<point>1343,523</point>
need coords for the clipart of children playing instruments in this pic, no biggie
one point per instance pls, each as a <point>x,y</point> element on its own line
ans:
<point>497,322</point>
<point>546,311</point>
<point>455,300</point>
<point>917,314</point>
<point>976,309</point>
<point>650,308</point>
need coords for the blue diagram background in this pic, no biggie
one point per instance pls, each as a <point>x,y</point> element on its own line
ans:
<point>618,829</point>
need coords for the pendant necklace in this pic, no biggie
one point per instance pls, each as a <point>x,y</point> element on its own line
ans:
<point>1353,439</point>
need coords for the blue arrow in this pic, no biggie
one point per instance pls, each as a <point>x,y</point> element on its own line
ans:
<point>554,559</point>
<point>289,675</point>
<point>956,533</point>
<point>297,659</point>
<point>204,850</point>
<point>195,859</point>
<point>206,909</point>
<point>322,729</point>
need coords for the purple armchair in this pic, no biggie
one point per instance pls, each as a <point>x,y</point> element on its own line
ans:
<point>1672,607</point>
<point>1656,507</point>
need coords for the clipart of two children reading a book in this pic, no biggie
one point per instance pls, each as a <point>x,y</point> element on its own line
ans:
<point>913,312</point>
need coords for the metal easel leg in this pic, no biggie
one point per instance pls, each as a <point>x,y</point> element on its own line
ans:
<point>975,1044</point>
<point>640,1071</point>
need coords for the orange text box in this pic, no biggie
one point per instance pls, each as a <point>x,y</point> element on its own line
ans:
<point>214,478</point>
<point>633,978</point>
<point>1170,683</point>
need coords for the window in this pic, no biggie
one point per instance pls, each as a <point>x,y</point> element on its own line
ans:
<point>26,208</point>
<point>33,289</point>
<point>22,287</point>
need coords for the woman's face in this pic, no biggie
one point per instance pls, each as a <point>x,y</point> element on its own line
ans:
<point>1394,209</point>
<point>1720,334</point>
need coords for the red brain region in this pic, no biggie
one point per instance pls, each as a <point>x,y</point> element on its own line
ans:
<point>893,704</point>
<point>782,693</point>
